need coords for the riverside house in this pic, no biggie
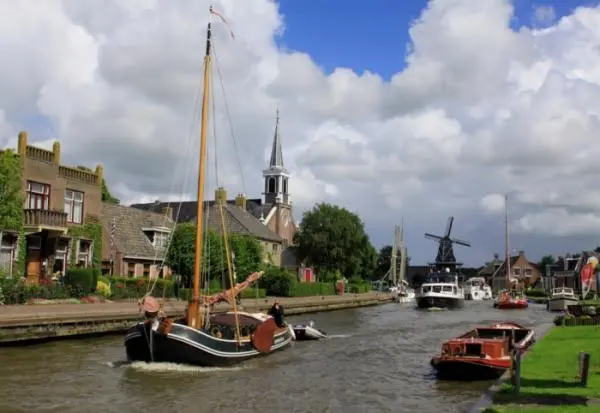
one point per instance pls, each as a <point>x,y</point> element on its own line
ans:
<point>61,214</point>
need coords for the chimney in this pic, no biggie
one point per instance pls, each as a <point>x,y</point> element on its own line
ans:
<point>496,256</point>
<point>56,151</point>
<point>168,212</point>
<point>521,253</point>
<point>221,195</point>
<point>22,144</point>
<point>240,201</point>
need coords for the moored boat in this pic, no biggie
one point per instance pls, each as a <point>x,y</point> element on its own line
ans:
<point>483,353</point>
<point>511,300</point>
<point>561,299</point>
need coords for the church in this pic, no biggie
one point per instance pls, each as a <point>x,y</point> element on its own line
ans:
<point>269,219</point>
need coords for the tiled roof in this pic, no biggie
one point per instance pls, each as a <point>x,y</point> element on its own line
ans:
<point>130,239</point>
<point>187,209</point>
<point>239,221</point>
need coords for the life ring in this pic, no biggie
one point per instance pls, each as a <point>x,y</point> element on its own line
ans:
<point>215,331</point>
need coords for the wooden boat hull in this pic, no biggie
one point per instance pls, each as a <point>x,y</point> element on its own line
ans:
<point>468,368</point>
<point>483,353</point>
<point>186,345</point>
<point>512,305</point>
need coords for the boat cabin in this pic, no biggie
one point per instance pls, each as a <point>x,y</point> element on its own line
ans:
<point>478,347</point>
<point>563,291</point>
<point>439,288</point>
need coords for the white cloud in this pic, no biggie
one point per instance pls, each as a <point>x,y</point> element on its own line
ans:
<point>544,14</point>
<point>492,203</point>
<point>479,109</point>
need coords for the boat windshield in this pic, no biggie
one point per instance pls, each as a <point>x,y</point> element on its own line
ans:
<point>441,278</point>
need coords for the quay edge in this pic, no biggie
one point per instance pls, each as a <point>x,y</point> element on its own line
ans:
<point>25,324</point>
<point>486,400</point>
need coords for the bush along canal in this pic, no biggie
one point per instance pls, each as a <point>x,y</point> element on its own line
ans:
<point>561,373</point>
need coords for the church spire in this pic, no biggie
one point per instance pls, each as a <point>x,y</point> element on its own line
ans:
<point>276,176</point>
<point>276,151</point>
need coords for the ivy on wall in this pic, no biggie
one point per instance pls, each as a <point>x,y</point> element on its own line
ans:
<point>92,229</point>
<point>11,202</point>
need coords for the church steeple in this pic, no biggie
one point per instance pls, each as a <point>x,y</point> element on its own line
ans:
<point>276,152</point>
<point>276,176</point>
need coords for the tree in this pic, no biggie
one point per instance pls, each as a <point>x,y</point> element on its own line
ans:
<point>331,239</point>
<point>546,260</point>
<point>180,256</point>
<point>384,261</point>
<point>106,195</point>
<point>11,196</point>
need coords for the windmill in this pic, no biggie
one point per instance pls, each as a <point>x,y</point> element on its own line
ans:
<point>445,255</point>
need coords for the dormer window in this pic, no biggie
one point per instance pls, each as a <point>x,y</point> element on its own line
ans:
<point>161,240</point>
<point>158,236</point>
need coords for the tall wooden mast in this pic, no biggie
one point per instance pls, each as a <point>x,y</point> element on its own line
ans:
<point>507,243</point>
<point>193,313</point>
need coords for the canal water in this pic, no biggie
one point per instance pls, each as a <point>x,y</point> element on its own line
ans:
<point>376,361</point>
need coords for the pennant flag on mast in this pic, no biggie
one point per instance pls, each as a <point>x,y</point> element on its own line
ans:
<point>220,16</point>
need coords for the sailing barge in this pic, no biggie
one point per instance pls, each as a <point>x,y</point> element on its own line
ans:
<point>483,353</point>
<point>202,337</point>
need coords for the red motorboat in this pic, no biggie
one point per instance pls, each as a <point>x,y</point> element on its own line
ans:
<point>483,353</point>
<point>511,300</point>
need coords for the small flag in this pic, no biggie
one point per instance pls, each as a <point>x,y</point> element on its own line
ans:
<point>113,234</point>
<point>220,16</point>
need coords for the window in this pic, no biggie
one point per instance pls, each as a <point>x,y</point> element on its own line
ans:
<point>37,196</point>
<point>271,186</point>
<point>516,271</point>
<point>146,270</point>
<point>275,249</point>
<point>74,206</point>
<point>161,239</point>
<point>84,253</point>
<point>528,272</point>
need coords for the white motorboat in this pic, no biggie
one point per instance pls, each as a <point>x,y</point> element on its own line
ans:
<point>477,289</point>
<point>308,331</point>
<point>441,291</point>
<point>403,293</point>
<point>561,299</point>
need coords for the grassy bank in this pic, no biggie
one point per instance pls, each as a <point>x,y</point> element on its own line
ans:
<point>549,371</point>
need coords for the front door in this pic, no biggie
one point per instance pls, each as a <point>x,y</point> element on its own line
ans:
<point>34,265</point>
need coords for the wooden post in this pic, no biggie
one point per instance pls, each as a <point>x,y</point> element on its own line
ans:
<point>584,367</point>
<point>517,371</point>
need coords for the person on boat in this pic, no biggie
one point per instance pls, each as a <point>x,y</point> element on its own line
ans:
<point>277,313</point>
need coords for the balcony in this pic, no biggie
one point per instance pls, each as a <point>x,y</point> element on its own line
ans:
<point>37,220</point>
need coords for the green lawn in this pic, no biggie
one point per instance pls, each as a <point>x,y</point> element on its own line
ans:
<point>549,381</point>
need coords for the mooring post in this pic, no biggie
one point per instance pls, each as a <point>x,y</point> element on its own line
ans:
<point>517,370</point>
<point>584,368</point>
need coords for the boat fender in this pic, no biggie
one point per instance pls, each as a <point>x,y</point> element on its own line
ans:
<point>216,332</point>
<point>292,333</point>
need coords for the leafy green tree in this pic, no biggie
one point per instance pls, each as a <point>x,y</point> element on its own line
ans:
<point>180,256</point>
<point>546,260</point>
<point>11,195</point>
<point>384,261</point>
<point>332,238</point>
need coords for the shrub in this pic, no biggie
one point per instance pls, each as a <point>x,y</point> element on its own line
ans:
<point>80,280</point>
<point>123,287</point>
<point>103,289</point>
<point>278,281</point>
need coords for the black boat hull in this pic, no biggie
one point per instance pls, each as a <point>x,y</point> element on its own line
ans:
<point>185,345</point>
<point>465,371</point>
<point>440,302</point>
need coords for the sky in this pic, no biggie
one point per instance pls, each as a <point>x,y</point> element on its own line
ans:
<point>398,110</point>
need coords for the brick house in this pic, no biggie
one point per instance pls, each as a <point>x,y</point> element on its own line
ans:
<point>139,244</point>
<point>523,271</point>
<point>59,202</point>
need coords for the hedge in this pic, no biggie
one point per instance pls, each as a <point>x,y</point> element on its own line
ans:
<point>312,289</point>
<point>536,293</point>
<point>186,293</point>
